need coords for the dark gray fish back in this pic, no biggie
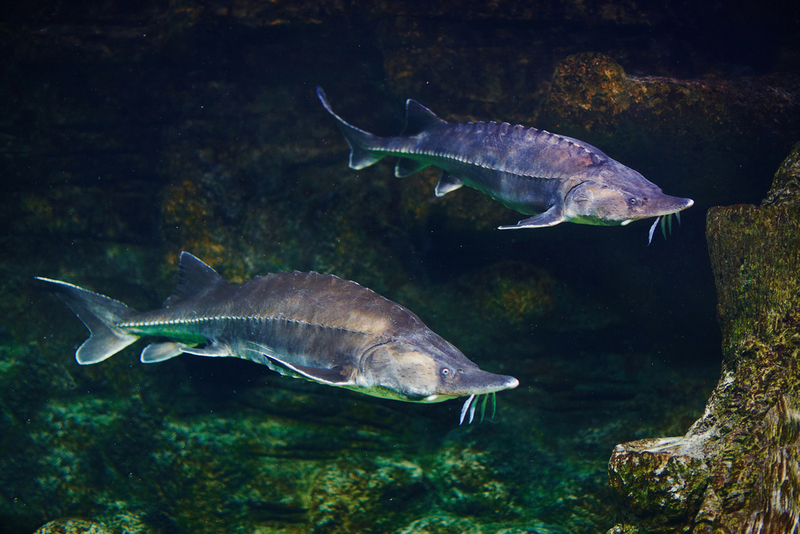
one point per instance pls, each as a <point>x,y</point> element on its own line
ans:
<point>516,149</point>
<point>324,300</point>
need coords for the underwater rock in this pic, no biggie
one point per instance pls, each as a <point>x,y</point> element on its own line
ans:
<point>72,526</point>
<point>675,481</point>
<point>785,189</point>
<point>738,467</point>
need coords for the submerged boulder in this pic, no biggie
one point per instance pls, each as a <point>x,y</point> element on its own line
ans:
<point>72,526</point>
<point>738,467</point>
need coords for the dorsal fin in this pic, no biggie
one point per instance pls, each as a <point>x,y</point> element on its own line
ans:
<point>195,278</point>
<point>419,118</point>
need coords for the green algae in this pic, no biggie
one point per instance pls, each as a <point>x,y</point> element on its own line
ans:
<point>294,457</point>
<point>72,526</point>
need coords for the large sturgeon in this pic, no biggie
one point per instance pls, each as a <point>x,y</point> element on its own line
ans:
<point>305,325</point>
<point>553,177</point>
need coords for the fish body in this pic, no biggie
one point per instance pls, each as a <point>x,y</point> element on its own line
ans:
<point>306,325</point>
<point>552,177</point>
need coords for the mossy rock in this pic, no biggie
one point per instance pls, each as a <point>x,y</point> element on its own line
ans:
<point>741,461</point>
<point>72,526</point>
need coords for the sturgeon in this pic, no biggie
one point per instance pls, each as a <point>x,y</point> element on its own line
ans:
<point>305,325</point>
<point>553,177</point>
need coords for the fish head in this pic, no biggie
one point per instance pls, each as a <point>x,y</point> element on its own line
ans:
<point>618,196</point>
<point>424,372</point>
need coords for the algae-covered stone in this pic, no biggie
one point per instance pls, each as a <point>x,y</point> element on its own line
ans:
<point>656,483</point>
<point>785,189</point>
<point>72,526</point>
<point>741,460</point>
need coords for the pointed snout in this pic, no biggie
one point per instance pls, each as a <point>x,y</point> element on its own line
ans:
<point>509,382</point>
<point>666,205</point>
<point>478,382</point>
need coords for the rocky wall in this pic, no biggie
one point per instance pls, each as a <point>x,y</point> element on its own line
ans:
<point>738,467</point>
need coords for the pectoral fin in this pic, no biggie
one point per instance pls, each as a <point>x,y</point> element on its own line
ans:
<point>551,217</point>
<point>447,183</point>
<point>334,376</point>
<point>337,376</point>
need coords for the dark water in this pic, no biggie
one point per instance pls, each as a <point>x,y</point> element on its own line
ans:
<point>132,134</point>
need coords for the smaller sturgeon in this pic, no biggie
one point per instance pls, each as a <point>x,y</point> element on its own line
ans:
<point>553,177</point>
<point>305,325</point>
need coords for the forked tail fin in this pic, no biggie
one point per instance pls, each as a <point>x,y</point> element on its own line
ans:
<point>101,315</point>
<point>361,142</point>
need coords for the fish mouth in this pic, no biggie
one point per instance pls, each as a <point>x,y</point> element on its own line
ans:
<point>498,383</point>
<point>473,400</point>
<point>481,396</point>
<point>666,222</point>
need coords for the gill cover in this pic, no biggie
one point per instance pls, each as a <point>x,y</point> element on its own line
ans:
<point>401,369</point>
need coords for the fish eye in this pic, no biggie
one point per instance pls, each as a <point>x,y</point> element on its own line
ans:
<point>632,201</point>
<point>445,371</point>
